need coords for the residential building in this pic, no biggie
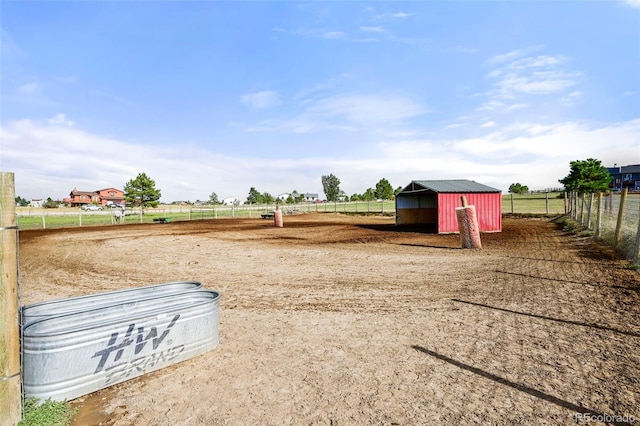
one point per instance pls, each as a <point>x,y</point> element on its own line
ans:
<point>103,197</point>
<point>625,177</point>
<point>310,197</point>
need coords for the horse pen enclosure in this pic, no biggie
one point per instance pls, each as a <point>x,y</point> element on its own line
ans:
<point>343,319</point>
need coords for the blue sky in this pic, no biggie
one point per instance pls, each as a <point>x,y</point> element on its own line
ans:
<point>210,96</point>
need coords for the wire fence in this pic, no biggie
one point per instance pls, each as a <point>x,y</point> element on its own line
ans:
<point>613,218</point>
<point>41,218</point>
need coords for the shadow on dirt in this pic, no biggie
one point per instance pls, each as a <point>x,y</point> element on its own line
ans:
<point>582,324</point>
<point>518,386</point>
<point>416,229</point>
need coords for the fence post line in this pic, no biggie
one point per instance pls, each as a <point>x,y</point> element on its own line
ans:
<point>44,222</point>
<point>618,235</point>
<point>565,202</point>
<point>582,201</point>
<point>636,252</point>
<point>511,203</point>
<point>599,216</point>
<point>546,200</point>
<point>590,210</point>
<point>10,387</point>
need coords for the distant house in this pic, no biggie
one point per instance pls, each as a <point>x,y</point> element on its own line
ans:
<point>230,201</point>
<point>310,197</point>
<point>283,197</point>
<point>36,202</point>
<point>625,177</point>
<point>103,197</point>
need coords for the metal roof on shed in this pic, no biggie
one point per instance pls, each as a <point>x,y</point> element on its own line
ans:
<point>447,186</point>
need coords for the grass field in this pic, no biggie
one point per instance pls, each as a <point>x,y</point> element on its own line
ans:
<point>533,203</point>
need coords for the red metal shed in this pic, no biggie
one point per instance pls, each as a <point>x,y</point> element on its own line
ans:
<point>432,203</point>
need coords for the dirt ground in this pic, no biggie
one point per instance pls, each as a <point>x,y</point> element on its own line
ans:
<point>343,320</point>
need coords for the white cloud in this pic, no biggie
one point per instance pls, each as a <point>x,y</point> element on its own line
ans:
<point>365,109</point>
<point>373,29</point>
<point>514,107</point>
<point>261,100</point>
<point>536,83</point>
<point>515,74</point>
<point>334,35</point>
<point>402,15</point>
<point>49,160</point>
<point>28,88</point>
<point>542,61</point>
<point>60,120</point>
<point>346,112</point>
<point>633,3</point>
<point>488,124</point>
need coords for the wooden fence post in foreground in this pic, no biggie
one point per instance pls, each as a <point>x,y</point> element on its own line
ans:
<point>590,211</point>
<point>636,252</point>
<point>599,216</point>
<point>618,235</point>
<point>10,388</point>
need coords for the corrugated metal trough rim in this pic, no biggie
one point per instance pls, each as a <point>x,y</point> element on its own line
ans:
<point>67,356</point>
<point>35,311</point>
<point>86,320</point>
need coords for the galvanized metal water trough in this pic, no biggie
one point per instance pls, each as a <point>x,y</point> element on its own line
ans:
<point>71,355</point>
<point>36,311</point>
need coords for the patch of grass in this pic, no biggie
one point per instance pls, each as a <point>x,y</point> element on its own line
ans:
<point>49,413</point>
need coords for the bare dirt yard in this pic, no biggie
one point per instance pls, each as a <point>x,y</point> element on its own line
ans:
<point>344,320</point>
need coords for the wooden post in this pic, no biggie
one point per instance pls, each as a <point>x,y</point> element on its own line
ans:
<point>511,203</point>
<point>590,210</point>
<point>546,199</point>
<point>565,203</point>
<point>618,235</point>
<point>582,201</point>
<point>599,216</point>
<point>10,388</point>
<point>636,253</point>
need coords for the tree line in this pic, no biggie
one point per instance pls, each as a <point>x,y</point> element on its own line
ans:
<point>584,176</point>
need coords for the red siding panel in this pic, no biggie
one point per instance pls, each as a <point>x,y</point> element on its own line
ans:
<point>488,211</point>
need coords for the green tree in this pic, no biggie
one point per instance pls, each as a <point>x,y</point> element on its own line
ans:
<point>517,188</point>
<point>21,202</point>
<point>355,197</point>
<point>142,192</point>
<point>586,176</point>
<point>331,186</point>
<point>369,195</point>
<point>213,198</point>
<point>397,191</point>
<point>50,204</point>
<point>297,197</point>
<point>266,198</point>
<point>254,196</point>
<point>384,190</point>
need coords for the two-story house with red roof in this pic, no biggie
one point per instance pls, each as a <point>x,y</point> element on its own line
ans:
<point>103,197</point>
